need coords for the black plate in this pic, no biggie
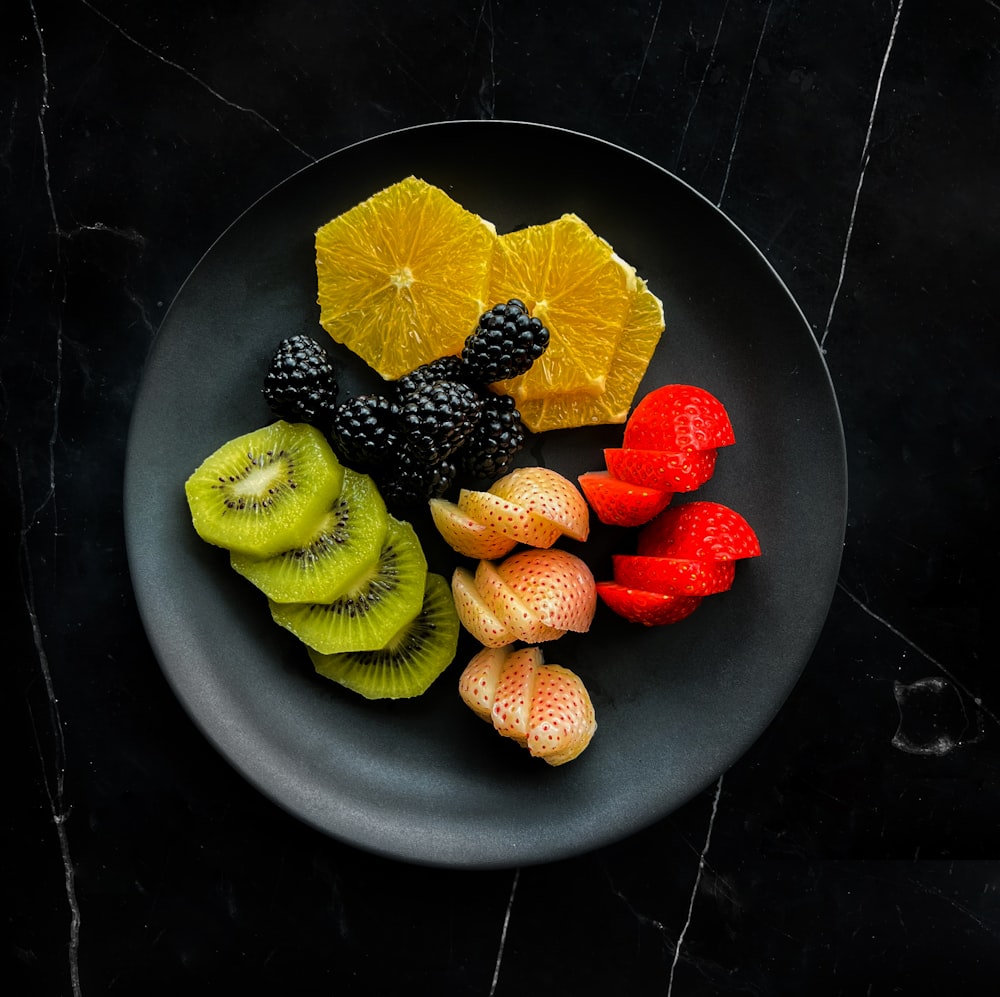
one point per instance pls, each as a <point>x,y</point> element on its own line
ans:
<point>425,780</point>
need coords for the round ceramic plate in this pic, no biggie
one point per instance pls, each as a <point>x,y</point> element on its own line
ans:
<point>425,780</point>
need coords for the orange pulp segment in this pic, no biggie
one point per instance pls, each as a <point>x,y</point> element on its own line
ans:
<point>403,276</point>
<point>574,282</point>
<point>642,331</point>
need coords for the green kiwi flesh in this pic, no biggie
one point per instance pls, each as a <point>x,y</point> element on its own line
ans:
<point>384,598</point>
<point>411,659</point>
<point>265,491</point>
<point>344,543</point>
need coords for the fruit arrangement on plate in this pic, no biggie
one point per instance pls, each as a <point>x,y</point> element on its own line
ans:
<point>481,340</point>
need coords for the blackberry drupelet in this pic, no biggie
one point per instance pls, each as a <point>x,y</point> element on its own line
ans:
<point>443,369</point>
<point>490,449</point>
<point>364,430</point>
<point>300,384</point>
<point>507,341</point>
<point>409,482</point>
<point>436,418</point>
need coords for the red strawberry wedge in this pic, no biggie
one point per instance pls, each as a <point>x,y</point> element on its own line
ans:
<point>673,575</point>
<point>670,470</point>
<point>651,609</point>
<point>620,503</point>
<point>701,531</point>
<point>679,417</point>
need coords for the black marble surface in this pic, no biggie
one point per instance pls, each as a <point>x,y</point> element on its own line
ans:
<point>853,849</point>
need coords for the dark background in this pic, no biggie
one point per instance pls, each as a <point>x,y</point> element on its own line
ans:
<point>853,849</point>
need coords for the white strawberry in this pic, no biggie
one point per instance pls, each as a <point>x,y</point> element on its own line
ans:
<point>561,721</point>
<point>507,607</point>
<point>476,614</point>
<point>477,684</point>
<point>549,495</point>
<point>512,700</point>
<point>512,520</point>
<point>544,708</point>
<point>467,535</point>
<point>555,585</point>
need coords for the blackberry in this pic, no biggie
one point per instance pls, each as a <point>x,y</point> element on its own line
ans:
<point>364,430</point>
<point>438,417</point>
<point>300,384</point>
<point>409,482</point>
<point>490,448</point>
<point>442,369</point>
<point>505,343</point>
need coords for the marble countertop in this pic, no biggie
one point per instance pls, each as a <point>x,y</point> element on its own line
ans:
<point>852,849</point>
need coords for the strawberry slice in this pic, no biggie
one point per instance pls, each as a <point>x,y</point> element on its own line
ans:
<point>651,609</point>
<point>507,607</point>
<point>670,470</point>
<point>679,417</point>
<point>514,693</point>
<point>547,494</point>
<point>621,503</point>
<point>508,518</point>
<point>555,585</point>
<point>544,708</point>
<point>477,685</point>
<point>673,575</point>
<point>476,614</point>
<point>466,535</point>
<point>561,721</point>
<point>707,531</point>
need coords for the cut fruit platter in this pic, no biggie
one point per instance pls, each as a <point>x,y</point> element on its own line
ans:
<point>301,504</point>
<point>526,534</point>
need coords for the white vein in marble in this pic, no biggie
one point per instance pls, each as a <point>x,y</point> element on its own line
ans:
<point>861,177</point>
<point>503,932</point>
<point>697,883</point>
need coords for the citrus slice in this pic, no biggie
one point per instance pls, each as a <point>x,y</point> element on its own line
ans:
<point>642,331</point>
<point>574,282</point>
<point>403,276</point>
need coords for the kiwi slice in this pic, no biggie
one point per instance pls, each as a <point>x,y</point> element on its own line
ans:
<point>345,541</point>
<point>412,658</point>
<point>264,492</point>
<point>386,596</point>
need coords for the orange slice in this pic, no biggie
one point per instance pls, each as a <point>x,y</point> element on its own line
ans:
<point>574,282</point>
<point>642,331</point>
<point>403,276</point>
